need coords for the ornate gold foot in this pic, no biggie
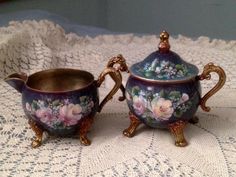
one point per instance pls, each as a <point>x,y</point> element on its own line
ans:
<point>37,141</point>
<point>134,123</point>
<point>178,133</point>
<point>194,120</point>
<point>84,140</point>
<point>83,130</point>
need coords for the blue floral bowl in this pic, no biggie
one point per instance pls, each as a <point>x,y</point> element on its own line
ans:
<point>164,91</point>
<point>62,102</point>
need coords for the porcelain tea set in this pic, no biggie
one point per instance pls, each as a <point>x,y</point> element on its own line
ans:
<point>162,91</point>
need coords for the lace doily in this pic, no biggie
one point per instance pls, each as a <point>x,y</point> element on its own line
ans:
<point>31,46</point>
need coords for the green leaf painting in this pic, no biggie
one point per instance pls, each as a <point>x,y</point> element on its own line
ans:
<point>56,103</point>
<point>162,93</point>
<point>174,95</point>
<point>135,90</point>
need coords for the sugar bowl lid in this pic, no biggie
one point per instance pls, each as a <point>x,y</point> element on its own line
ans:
<point>164,65</point>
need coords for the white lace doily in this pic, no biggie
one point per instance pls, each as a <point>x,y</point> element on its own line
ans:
<point>31,46</point>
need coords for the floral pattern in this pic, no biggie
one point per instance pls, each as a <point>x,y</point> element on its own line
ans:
<point>162,108</point>
<point>60,113</point>
<point>164,70</point>
<point>139,104</point>
<point>158,106</point>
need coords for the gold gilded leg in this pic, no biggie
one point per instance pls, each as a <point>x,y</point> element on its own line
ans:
<point>122,88</point>
<point>194,120</point>
<point>37,141</point>
<point>178,133</point>
<point>134,123</point>
<point>83,130</point>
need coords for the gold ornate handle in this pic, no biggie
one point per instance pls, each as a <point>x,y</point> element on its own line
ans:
<point>120,65</point>
<point>116,76</point>
<point>210,67</point>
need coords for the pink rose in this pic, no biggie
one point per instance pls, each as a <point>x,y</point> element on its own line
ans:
<point>162,109</point>
<point>66,101</point>
<point>139,104</point>
<point>70,114</point>
<point>45,115</point>
<point>185,97</point>
<point>28,107</point>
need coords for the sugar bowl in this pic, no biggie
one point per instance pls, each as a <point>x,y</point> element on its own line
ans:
<point>164,91</point>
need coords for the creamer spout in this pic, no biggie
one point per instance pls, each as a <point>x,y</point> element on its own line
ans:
<point>17,81</point>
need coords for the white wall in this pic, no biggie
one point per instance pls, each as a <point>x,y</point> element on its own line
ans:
<point>213,18</point>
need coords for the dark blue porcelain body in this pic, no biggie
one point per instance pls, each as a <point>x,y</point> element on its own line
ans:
<point>60,113</point>
<point>159,104</point>
<point>163,89</point>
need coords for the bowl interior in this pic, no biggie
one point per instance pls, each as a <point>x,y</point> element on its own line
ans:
<point>59,80</point>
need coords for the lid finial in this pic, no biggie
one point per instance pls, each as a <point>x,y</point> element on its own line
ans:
<point>164,45</point>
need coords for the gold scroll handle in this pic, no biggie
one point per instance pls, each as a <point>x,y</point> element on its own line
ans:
<point>116,76</point>
<point>210,67</point>
<point>119,63</point>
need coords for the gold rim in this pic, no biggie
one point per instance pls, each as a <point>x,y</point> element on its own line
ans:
<point>165,81</point>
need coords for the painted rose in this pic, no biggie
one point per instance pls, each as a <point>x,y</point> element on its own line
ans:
<point>139,104</point>
<point>158,70</point>
<point>66,101</point>
<point>70,114</point>
<point>45,115</point>
<point>28,107</point>
<point>162,108</point>
<point>185,97</point>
